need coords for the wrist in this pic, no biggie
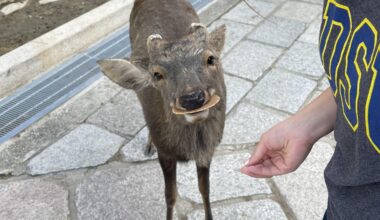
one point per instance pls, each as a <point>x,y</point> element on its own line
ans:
<point>318,118</point>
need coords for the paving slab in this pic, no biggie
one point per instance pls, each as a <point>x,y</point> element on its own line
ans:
<point>278,31</point>
<point>246,123</point>
<point>330,139</point>
<point>133,192</point>
<point>234,33</point>
<point>54,126</point>
<point>226,181</point>
<point>301,11</point>
<point>324,83</point>
<point>33,199</point>
<point>314,95</point>
<point>250,59</point>
<point>123,115</point>
<point>282,90</point>
<point>244,14</point>
<point>236,89</point>
<point>303,58</point>
<point>309,201</point>
<point>277,2</point>
<point>311,34</point>
<point>86,146</point>
<point>133,151</point>
<point>260,209</point>
<point>319,2</point>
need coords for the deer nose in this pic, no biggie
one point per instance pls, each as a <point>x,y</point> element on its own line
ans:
<point>192,100</point>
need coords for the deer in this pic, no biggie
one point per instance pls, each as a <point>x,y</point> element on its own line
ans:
<point>176,71</point>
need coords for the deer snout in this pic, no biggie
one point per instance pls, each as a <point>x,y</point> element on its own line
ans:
<point>192,100</point>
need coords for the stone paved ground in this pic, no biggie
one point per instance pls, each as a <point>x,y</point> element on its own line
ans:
<point>85,160</point>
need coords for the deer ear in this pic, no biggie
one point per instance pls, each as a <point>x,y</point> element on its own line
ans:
<point>217,39</point>
<point>125,74</point>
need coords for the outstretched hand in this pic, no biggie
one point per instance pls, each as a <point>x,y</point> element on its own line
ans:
<point>285,146</point>
<point>281,150</point>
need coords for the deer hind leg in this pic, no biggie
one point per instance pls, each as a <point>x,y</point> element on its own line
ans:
<point>169,166</point>
<point>150,148</point>
<point>204,188</point>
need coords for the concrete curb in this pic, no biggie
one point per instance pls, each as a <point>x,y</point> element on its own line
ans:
<point>32,59</point>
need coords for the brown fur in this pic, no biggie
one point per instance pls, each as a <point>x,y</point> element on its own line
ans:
<point>181,52</point>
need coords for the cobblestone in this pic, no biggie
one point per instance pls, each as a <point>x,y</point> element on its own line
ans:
<point>243,14</point>
<point>262,209</point>
<point>250,59</point>
<point>278,31</point>
<point>304,59</point>
<point>122,116</point>
<point>234,33</point>
<point>226,181</point>
<point>83,147</point>
<point>33,199</point>
<point>122,192</point>
<point>310,199</point>
<point>282,90</point>
<point>246,124</point>
<point>324,83</point>
<point>236,88</point>
<point>299,11</point>
<point>134,150</point>
<point>311,34</point>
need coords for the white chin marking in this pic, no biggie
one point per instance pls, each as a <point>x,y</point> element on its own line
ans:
<point>191,118</point>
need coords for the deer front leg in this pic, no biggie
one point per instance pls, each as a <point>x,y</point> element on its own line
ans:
<point>168,166</point>
<point>150,149</point>
<point>204,188</point>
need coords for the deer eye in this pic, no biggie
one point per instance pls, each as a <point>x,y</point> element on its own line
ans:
<point>211,60</point>
<point>157,76</point>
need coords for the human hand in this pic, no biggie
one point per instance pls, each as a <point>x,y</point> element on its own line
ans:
<point>285,146</point>
<point>281,150</point>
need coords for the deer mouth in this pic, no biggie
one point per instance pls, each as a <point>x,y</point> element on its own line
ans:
<point>197,117</point>
<point>198,114</point>
<point>208,104</point>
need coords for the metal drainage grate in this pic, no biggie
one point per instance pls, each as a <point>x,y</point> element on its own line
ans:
<point>20,111</point>
<point>32,102</point>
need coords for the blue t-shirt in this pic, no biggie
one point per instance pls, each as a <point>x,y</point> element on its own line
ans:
<point>350,53</point>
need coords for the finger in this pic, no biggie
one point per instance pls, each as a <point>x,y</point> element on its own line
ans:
<point>258,155</point>
<point>265,169</point>
<point>246,171</point>
<point>249,171</point>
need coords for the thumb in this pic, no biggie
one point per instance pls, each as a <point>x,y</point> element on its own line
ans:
<point>258,155</point>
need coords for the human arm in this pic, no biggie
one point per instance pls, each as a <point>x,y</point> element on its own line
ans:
<point>285,146</point>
